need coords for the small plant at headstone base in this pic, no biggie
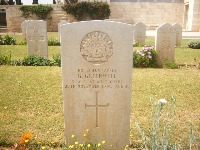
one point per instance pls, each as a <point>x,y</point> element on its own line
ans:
<point>5,59</point>
<point>35,60</point>
<point>87,145</point>
<point>57,59</point>
<point>88,10</point>
<point>145,57</point>
<point>170,64</point>
<point>41,11</point>
<point>7,40</point>
<point>138,44</point>
<point>53,42</point>
<point>194,44</point>
<point>22,43</point>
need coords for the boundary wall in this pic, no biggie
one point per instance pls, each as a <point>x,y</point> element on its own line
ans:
<point>152,14</point>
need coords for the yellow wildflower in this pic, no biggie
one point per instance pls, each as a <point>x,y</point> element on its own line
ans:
<point>103,142</point>
<point>87,130</point>
<point>43,147</point>
<point>76,143</point>
<point>99,145</point>
<point>26,141</point>
<point>72,136</point>
<point>52,143</point>
<point>89,145</point>
<point>71,146</point>
<point>81,145</point>
<point>84,135</point>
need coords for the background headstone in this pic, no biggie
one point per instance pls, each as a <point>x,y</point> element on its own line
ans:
<point>35,33</point>
<point>178,32</point>
<point>96,65</point>
<point>139,33</point>
<point>165,44</point>
<point>61,23</point>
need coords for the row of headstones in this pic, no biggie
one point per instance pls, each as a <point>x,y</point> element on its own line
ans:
<point>96,59</point>
<point>167,36</point>
<point>139,34</point>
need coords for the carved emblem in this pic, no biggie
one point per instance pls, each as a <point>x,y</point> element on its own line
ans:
<point>96,47</point>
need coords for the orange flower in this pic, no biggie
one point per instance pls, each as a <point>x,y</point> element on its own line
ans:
<point>22,141</point>
<point>26,136</point>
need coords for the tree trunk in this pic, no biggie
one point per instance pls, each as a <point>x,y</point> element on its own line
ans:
<point>35,2</point>
<point>54,1</point>
<point>18,2</point>
<point>10,2</point>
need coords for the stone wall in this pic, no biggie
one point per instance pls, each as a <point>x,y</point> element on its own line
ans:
<point>14,18</point>
<point>151,14</point>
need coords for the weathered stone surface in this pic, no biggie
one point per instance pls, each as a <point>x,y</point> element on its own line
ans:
<point>178,33</point>
<point>35,33</point>
<point>96,78</point>
<point>165,44</point>
<point>61,23</point>
<point>139,33</point>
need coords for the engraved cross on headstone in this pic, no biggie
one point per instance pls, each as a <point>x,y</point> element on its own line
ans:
<point>97,108</point>
<point>36,37</point>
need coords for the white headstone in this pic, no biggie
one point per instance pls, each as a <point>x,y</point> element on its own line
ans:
<point>165,44</point>
<point>61,23</point>
<point>35,33</point>
<point>178,31</point>
<point>96,78</point>
<point>139,33</point>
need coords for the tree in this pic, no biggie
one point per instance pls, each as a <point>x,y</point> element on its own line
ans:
<point>54,1</point>
<point>10,2</point>
<point>35,2</point>
<point>18,2</point>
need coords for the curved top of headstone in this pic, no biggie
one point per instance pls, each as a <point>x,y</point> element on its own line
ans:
<point>166,27</point>
<point>140,24</point>
<point>177,25</point>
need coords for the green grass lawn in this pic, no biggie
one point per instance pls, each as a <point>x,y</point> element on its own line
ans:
<point>31,98</point>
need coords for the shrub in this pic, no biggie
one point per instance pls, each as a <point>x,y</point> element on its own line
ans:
<point>5,59</point>
<point>41,11</point>
<point>57,60</point>
<point>145,57</point>
<point>53,42</point>
<point>35,60</point>
<point>91,10</point>
<point>7,40</point>
<point>170,65</point>
<point>194,44</point>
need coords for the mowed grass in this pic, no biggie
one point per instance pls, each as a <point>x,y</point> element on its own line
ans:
<point>31,98</point>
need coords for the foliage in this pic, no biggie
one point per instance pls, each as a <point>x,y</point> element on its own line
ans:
<point>22,43</point>
<point>41,11</point>
<point>5,59</point>
<point>194,44</point>
<point>35,60</point>
<point>159,139</point>
<point>162,118</point>
<point>170,65</point>
<point>7,40</point>
<point>138,45</point>
<point>145,57</point>
<point>53,42</point>
<point>57,59</point>
<point>88,10</point>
